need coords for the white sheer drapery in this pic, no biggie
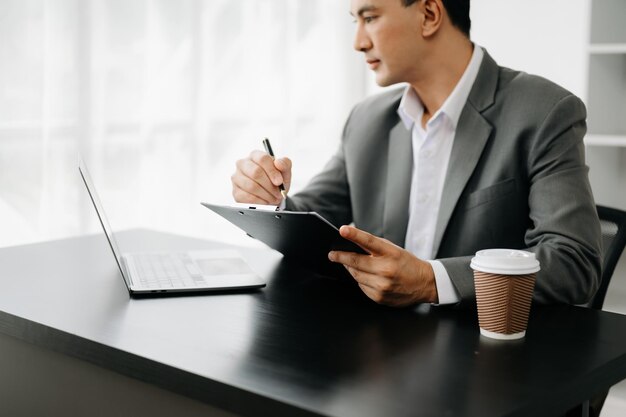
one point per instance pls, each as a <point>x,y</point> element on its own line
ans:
<point>161,97</point>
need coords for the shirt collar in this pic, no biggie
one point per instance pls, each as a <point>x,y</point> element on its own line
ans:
<point>411,109</point>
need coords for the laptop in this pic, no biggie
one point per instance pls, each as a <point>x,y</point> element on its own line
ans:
<point>154,273</point>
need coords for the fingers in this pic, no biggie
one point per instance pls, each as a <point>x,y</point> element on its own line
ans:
<point>252,183</point>
<point>267,163</point>
<point>373,294</point>
<point>388,275</point>
<point>381,266</point>
<point>242,196</point>
<point>284,166</point>
<point>377,289</point>
<point>371,281</point>
<point>367,241</point>
<point>375,263</point>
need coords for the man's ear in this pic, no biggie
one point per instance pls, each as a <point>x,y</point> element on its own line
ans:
<point>432,11</point>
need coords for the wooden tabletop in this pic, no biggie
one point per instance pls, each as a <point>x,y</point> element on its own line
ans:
<point>305,344</point>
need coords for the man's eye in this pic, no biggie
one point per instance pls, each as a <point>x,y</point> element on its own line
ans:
<point>369,19</point>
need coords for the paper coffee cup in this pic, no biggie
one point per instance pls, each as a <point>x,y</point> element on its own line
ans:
<point>504,281</point>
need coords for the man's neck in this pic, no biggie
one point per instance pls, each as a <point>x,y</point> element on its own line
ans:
<point>446,67</point>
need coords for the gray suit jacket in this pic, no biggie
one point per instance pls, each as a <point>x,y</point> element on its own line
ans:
<point>516,179</point>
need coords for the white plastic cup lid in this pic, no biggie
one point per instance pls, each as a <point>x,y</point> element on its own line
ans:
<point>505,262</point>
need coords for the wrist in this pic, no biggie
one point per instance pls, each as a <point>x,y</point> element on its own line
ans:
<point>430,285</point>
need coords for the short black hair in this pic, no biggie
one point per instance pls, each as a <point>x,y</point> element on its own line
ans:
<point>458,10</point>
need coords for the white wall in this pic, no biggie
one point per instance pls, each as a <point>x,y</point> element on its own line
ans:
<point>547,38</point>
<point>551,39</point>
<point>544,37</point>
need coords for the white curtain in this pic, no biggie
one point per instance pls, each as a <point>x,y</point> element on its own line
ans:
<point>161,97</point>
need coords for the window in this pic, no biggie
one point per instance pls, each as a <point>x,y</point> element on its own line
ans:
<point>161,98</point>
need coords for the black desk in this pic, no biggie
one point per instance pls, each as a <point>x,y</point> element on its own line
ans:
<point>305,345</point>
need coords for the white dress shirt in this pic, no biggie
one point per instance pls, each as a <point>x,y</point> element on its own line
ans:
<point>431,154</point>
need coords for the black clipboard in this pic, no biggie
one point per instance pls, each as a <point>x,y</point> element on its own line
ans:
<point>303,237</point>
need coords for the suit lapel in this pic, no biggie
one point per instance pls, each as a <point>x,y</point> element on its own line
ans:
<point>469,142</point>
<point>398,185</point>
<point>472,134</point>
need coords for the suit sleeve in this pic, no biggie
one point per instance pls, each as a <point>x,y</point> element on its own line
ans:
<point>565,230</point>
<point>328,193</point>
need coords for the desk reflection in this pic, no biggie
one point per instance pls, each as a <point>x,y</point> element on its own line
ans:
<point>321,339</point>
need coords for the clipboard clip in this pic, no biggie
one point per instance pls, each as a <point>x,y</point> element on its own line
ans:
<point>263,207</point>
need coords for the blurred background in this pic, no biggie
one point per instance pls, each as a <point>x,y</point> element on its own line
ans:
<point>161,97</point>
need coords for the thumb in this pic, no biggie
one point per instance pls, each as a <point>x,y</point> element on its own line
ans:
<point>284,166</point>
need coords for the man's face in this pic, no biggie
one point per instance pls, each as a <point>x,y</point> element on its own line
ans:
<point>388,34</point>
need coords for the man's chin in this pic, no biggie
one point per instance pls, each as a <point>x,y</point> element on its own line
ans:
<point>384,81</point>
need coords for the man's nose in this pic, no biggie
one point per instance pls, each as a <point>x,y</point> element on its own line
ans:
<point>362,42</point>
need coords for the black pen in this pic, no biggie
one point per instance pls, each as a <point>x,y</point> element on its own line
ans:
<point>268,149</point>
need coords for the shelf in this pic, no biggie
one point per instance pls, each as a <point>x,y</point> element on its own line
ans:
<point>607,21</point>
<point>606,94</point>
<point>607,48</point>
<point>605,140</point>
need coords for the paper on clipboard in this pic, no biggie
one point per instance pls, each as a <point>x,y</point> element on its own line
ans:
<point>304,237</point>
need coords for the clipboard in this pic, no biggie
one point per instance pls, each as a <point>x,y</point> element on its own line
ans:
<point>303,237</point>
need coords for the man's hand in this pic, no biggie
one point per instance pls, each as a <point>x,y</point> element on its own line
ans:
<point>390,275</point>
<point>257,178</point>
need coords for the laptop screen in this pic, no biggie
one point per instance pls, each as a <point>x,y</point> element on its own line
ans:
<point>84,173</point>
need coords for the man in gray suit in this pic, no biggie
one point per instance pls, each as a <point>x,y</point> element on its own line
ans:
<point>467,156</point>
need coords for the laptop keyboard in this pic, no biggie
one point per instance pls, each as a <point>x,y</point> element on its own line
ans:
<point>167,270</point>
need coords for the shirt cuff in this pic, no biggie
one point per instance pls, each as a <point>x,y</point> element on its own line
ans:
<point>446,291</point>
